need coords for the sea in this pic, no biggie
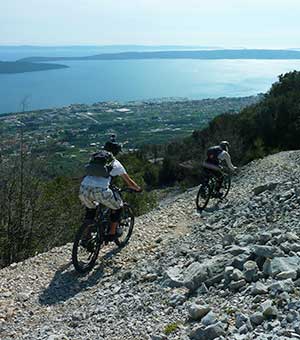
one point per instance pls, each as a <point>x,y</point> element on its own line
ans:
<point>88,82</point>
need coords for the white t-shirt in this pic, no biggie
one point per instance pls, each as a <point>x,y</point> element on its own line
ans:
<point>102,182</point>
<point>224,156</point>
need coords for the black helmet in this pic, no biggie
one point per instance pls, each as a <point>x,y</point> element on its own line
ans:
<point>224,145</point>
<point>112,147</point>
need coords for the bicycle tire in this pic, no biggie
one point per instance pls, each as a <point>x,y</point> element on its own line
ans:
<point>81,266</point>
<point>127,224</point>
<point>202,202</point>
<point>227,180</point>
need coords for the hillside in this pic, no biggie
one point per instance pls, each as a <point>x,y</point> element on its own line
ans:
<point>267,127</point>
<point>236,268</point>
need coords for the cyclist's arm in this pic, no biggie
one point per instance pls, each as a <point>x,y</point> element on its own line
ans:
<point>130,182</point>
<point>224,156</point>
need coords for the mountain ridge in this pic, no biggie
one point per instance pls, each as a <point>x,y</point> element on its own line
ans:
<point>188,54</point>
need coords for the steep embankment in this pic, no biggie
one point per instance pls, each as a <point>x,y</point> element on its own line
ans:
<point>240,261</point>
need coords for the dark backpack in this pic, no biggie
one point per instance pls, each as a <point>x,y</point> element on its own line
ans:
<point>100,164</point>
<point>213,153</point>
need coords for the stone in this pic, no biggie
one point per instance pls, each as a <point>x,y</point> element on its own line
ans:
<point>240,320</point>
<point>257,318</point>
<point>250,271</point>
<point>266,251</point>
<point>259,288</point>
<point>276,232</point>
<point>237,275</point>
<point>246,239</point>
<point>284,297</point>
<point>208,333</point>
<point>268,310</point>
<point>177,299</point>
<point>237,250</point>
<point>197,312</point>
<point>297,327</point>
<point>238,261</point>
<point>292,237</point>
<point>291,274</point>
<point>158,337</point>
<point>228,239</point>
<point>244,329</point>
<point>202,289</point>
<point>236,285</point>
<point>292,316</point>
<point>295,247</point>
<point>24,296</point>
<point>272,267</point>
<point>286,247</point>
<point>262,188</point>
<point>264,237</point>
<point>282,286</point>
<point>228,274</point>
<point>195,274</point>
<point>209,319</point>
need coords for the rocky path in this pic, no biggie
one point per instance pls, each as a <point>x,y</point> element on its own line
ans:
<point>231,273</point>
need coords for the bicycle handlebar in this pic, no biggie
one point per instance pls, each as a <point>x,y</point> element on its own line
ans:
<point>120,190</point>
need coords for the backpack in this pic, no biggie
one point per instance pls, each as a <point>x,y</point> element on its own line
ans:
<point>100,164</point>
<point>213,153</point>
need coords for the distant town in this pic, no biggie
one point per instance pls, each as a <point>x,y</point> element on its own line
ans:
<point>74,131</point>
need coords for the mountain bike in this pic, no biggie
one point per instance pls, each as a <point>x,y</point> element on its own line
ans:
<point>208,189</point>
<point>94,235</point>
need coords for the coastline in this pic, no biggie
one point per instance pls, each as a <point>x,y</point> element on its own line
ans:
<point>157,101</point>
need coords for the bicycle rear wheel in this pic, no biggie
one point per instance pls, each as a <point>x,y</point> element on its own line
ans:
<point>86,247</point>
<point>203,196</point>
<point>126,224</point>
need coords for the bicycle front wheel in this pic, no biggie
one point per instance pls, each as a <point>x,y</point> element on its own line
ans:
<point>86,247</point>
<point>226,185</point>
<point>126,224</point>
<point>203,196</point>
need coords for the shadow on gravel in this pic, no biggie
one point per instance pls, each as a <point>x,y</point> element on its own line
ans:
<point>214,206</point>
<point>66,282</point>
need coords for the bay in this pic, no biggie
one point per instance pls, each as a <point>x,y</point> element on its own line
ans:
<point>88,82</point>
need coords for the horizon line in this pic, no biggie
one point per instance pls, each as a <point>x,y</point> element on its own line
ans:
<point>143,45</point>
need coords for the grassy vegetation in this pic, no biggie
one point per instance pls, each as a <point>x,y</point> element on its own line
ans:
<point>171,327</point>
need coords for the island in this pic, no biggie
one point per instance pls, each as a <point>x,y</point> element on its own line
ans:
<point>21,67</point>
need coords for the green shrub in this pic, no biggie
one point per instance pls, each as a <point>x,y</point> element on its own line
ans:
<point>171,328</point>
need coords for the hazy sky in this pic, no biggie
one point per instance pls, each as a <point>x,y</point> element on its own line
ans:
<point>227,23</point>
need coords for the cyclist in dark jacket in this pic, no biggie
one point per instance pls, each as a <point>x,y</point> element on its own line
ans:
<point>215,156</point>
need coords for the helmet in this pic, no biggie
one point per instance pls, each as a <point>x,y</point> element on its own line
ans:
<point>112,147</point>
<point>224,145</point>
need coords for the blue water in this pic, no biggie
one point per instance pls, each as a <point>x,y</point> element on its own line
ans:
<point>93,81</point>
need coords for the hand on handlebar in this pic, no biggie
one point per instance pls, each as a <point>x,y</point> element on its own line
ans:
<point>138,189</point>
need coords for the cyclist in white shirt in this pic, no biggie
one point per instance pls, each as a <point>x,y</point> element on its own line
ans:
<point>96,189</point>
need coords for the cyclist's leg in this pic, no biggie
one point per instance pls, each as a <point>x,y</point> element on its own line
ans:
<point>215,171</point>
<point>90,206</point>
<point>90,213</point>
<point>219,177</point>
<point>206,172</point>
<point>113,201</point>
